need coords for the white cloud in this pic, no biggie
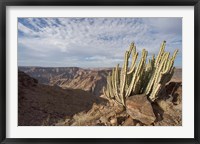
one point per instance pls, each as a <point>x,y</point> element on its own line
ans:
<point>92,42</point>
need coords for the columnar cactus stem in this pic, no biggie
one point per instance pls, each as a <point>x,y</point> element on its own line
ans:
<point>138,73</point>
<point>162,49</point>
<point>134,58</point>
<point>123,77</point>
<point>109,82</point>
<point>149,78</point>
<point>163,73</point>
<point>117,83</point>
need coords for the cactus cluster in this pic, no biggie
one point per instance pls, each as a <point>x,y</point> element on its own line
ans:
<point>142,77</point>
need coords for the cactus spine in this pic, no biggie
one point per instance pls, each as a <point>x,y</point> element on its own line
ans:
<point>149,78</point>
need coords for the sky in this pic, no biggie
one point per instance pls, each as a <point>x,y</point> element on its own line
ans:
<point>93,42</point>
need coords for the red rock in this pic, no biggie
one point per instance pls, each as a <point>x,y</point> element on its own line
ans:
<point>139,108</point>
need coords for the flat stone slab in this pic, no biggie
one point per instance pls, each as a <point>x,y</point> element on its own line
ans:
<point>139,108</point>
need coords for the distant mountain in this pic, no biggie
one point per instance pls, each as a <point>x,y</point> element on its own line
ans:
<point>91,79</point>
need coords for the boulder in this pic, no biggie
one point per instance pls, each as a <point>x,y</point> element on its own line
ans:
<point>139,108</point>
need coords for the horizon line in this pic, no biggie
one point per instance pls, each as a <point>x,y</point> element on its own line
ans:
<point>76,67</point>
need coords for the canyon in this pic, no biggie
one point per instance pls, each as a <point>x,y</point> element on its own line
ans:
<point>72,96</point>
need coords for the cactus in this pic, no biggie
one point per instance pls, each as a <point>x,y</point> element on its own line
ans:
<point>149,78</point>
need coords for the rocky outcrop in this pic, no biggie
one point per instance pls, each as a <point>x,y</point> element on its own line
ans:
<point>139,108</point>
<point>139,111</point>
<point>171,106</point>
